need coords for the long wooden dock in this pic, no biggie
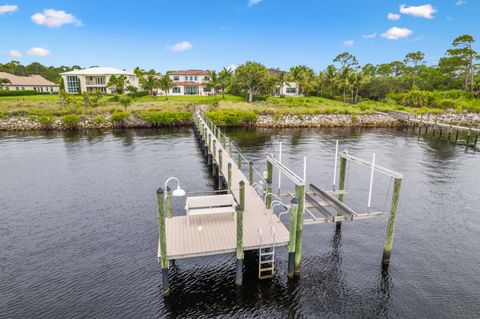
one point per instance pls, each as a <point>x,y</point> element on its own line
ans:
<point>216,234</point>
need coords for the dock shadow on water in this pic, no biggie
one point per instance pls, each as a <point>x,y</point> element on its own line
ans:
<point>79,230</point>
<point>208,290</point>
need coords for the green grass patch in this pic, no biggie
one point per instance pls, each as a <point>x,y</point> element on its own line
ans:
<point>165,118</point>
<point>71,121</point>
<point>232,117</point>
<point>120,116</point>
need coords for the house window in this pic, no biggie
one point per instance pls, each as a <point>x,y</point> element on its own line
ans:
<point>176,78</point>
<point>17,88</point>
<point>176,90</point>
<point>205,89</point>
<point>206,78</point>
<point>73,85</point>
<point>291,90</point>
<point>186,78</point>
<point>23,88</point>
<point>195,78</point>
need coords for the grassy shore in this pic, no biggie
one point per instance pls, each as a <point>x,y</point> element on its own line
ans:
<point>46,110</point>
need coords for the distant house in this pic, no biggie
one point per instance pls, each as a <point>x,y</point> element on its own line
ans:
<point>93,79</point>
<point>287,89</point>
<point>28,83</point>
<point>190,82</point>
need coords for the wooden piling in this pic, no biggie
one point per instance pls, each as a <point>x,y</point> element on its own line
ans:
<point>214,150</point>
<point>475,140</point>
<point>169,203</point>
<point>239,160</point>
<point>229,177</point>
<point>220,167</point>
<point>239,254</point>
<point>456,137</point>
<point>293,236</point>
<point>300,195</point>
<point>230,150</point>
<point>242,193</point>
<point>268,199</point>
<point>387,250</point>
<point>341,186</point>
<point>163,240</point>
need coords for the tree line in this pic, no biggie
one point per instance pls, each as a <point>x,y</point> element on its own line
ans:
<point>344,79</point>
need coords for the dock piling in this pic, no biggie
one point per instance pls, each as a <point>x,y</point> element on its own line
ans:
<point>341,186</point>
<point>163,240</point>
<point>268,199</point>
<point>300,195</point>
<point>229,177</point>
<point>220,167</point>
<point>239,254</point>
<point>239,160</point>
<point>293,234</point>
<point>169,202</point>
<point>387,250</point>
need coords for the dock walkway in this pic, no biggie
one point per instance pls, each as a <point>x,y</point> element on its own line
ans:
<point>216,234</point>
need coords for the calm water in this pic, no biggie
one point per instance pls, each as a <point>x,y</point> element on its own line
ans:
<point>78,230</point>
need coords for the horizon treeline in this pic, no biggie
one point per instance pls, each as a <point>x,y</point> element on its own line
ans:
<point>344,79</point>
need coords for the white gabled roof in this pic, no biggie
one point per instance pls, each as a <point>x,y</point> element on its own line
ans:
<point>99,70</point>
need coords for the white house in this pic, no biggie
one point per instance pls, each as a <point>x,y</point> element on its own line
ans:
<point>287,89</point>
<point>28,83</point>
<point>93,79</point>
<point>190,82</point>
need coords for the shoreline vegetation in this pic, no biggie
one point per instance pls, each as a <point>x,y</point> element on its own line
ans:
<point>48,112</point>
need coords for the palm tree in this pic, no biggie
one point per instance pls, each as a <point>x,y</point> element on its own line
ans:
<point>225,79</point>
<point>213,82</point>
<point>4,82</point>
<point>150,83</point>
<point>118,83</point>
<point>330,75</point>
<point>303,76</point>
<point>165,84</point>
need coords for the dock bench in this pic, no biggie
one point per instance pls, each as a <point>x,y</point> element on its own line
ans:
<point>209,205</point>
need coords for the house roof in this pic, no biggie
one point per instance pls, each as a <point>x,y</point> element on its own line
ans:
<point>188,72</point>
<point>98,70</point>
<point>32,80</point>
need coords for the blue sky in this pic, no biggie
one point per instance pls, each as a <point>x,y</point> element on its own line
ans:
<point>210,34</point>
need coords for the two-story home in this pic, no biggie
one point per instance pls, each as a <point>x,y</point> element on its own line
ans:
<point>190,82</point>
<point>93,79</point>
<point>287,89</point>
<point>28,83</point>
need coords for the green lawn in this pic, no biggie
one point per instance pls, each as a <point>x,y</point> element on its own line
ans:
<point>50,105</point>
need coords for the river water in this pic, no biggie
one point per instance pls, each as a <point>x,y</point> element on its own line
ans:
<point>78,229</point>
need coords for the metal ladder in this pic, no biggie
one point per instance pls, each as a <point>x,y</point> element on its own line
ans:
<point>266,256</point>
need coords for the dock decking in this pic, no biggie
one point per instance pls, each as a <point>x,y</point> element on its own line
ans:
<point>216,234</point>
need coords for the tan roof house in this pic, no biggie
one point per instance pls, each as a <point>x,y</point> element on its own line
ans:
<point>28,83</point>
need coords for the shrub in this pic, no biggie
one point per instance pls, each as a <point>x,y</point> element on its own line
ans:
<point>71,121</point>
<point>165,118</point>
<point>138,94</point>
<point>18,93</point>
<point>232,117</point>
<point>120,116</point>
<point>99,119</point>
<point>45,120</point>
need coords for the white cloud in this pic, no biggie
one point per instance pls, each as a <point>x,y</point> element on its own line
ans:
<point>460,2</point>
<point>55,18</point>
<point>393,16</point>
<point>15,53</point>
<point>38,52</point>
<point>232,67</point>
<point>180,46</point>
<point>348,43</point>
<point>425,11</point>
<point>7,8</point>
<point>370,36</point>
<point>396,33</point>
<point>252,3</point>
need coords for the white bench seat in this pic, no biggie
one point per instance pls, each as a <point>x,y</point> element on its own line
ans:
<point>209,205</point>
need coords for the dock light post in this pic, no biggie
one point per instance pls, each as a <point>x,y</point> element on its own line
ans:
<point>292,238</point>
<point>163,196</point>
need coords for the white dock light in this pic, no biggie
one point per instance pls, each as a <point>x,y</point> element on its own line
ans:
<point>178,192</point>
